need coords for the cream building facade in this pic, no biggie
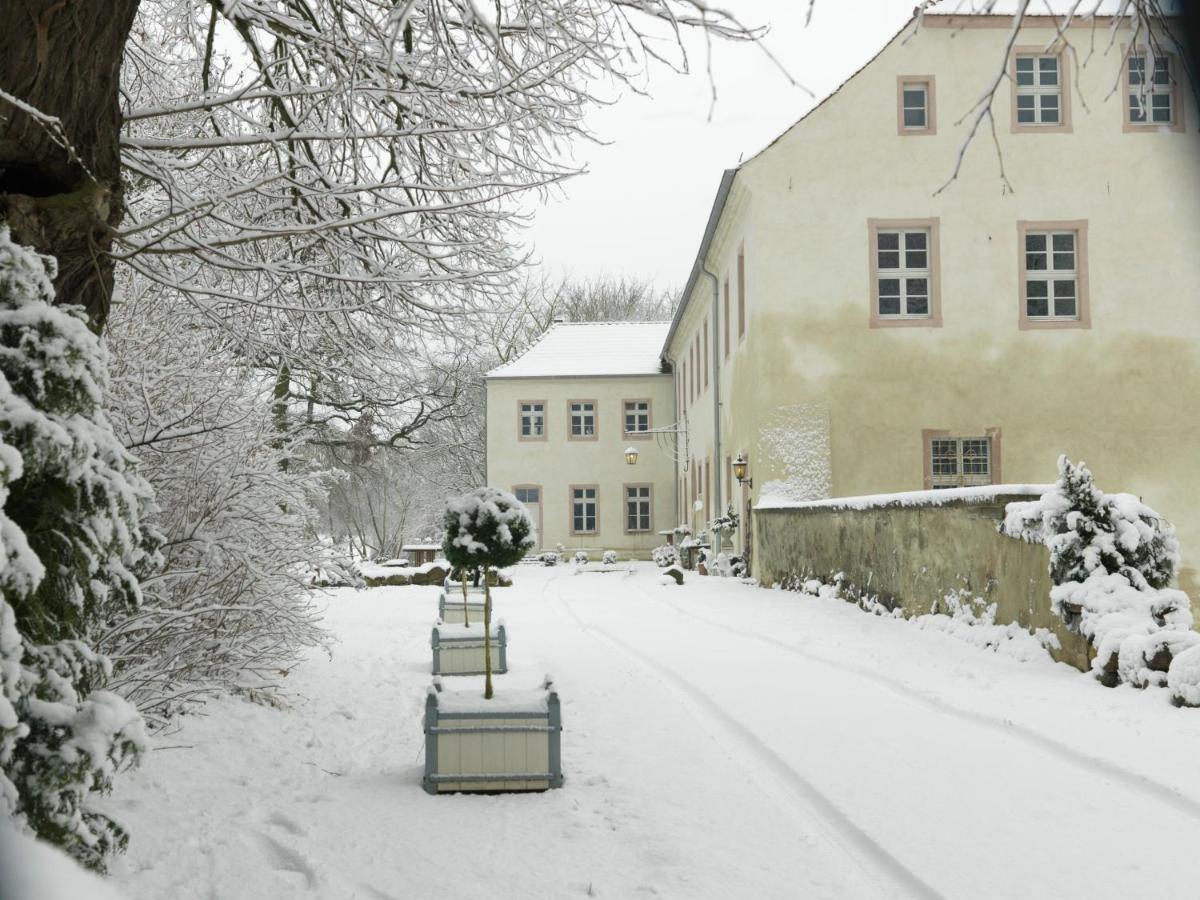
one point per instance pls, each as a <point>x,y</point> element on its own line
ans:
<point>559,420</point>
<point>850,329</point>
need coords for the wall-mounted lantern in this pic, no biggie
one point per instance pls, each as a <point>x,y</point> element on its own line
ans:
<point>631,455</point>
<point>739,471</point>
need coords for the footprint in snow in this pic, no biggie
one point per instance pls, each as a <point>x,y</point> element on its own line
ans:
<point>287,824</point>
<point>285,859</point>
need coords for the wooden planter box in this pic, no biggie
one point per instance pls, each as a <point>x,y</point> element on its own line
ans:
<point>510,743</point>
<point>450,606</point>
<point>458,650</point>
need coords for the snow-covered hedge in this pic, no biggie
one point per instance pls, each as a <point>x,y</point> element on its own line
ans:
<point>581,558</point>
<point>609,558</point>
<point>1111,560</point>
<point>666,555</point>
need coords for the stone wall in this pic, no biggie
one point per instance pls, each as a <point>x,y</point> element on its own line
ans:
<point>912,552</point>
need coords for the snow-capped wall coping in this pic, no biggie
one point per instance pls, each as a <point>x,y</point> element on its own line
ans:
<point>983,494</point>
<point>575,349</point>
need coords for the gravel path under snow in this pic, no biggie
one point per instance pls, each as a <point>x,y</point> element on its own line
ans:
<point>720,741</point>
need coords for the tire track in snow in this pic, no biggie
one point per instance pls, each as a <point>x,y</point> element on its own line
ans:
<point>1075,757</point>
<point>862,848</point>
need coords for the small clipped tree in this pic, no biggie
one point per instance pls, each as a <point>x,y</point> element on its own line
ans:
<point>487,529</point>
<point>1087,530</point>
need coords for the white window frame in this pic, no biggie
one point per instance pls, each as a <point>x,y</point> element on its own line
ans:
<point>582,497</point>
<point>585,411</point>
<point>642,496</point>
<point>955,451</point>
<point>1038,90</point>
<point>1052,275</point>
<point>904,272</point>
<point>1140,95</point>
<point>905,108</point>
<point>532,412</point>
<point>638,409</point>
<point>525,490</point>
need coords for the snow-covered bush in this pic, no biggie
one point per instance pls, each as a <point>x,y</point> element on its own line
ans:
<point>1087,530</point>
<point>227,612</point>
<point>609,558</point>
<point>1111,559</point>
<point>72,548</point>
<point>1183,679</point>
<point>666,555</point>
<point>581,558</point>
<point>549,558</point>
<point>490,529</point>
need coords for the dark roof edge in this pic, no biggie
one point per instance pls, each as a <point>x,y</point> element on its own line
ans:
<point>714,217</point>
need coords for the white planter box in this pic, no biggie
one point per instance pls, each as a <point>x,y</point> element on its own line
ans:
<point>458,650</point>
<point>512,742</point>
<point>450,606</point>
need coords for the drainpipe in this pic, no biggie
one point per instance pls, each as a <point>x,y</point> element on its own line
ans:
<point>716,374</point>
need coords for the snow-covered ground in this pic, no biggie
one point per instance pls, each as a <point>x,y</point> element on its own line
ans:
<point>720,741</point>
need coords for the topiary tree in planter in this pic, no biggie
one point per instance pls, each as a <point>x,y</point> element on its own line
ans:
<point>490,529</point>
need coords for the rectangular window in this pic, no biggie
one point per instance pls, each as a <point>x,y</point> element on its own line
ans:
<point>637,507</point>
<point>902,260</point>
<point>1051,275</point>
<point>1038,94</point>
<point>583,510</point>
<point>528,494</point>
<point>637,417</point>
<point>904,273</point>
<point>583,419</point>
<point>699,372</point>
<point>706,353</point>
<point>1152,93</point>
<point>741,292</point>
<point>532,420</point>
<point>915,105</point>
<point>726,318</point>
<point>960,462</point>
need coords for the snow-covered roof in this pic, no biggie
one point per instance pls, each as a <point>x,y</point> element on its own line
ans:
<point>576,349</point>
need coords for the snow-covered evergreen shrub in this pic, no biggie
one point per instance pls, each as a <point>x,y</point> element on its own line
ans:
<point>549,558</point>
<point>490,529</point>
<point>665,555</point>
<point>581,558</point>
<point>1111,559</point>
<point>73,548</point>
<point>609,558</point>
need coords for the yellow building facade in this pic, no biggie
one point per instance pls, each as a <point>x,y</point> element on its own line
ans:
<point>560,419</point>
<point>853,327</point>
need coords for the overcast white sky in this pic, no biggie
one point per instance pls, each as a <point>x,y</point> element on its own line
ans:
<point>642,206</point>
